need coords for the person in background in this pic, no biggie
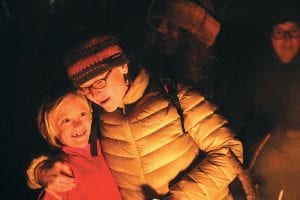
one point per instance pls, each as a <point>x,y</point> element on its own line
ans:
<point>178,45</point>
<point>277,95</point>
<point>279,63</point>
<point>65,122</point>
<point>150,153</point>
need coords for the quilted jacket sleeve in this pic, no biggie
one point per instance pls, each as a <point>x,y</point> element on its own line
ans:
<point>30,172</point>
<point>211,177</point>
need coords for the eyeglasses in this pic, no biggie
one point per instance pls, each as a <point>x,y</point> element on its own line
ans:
<point>99,84</point>
<point>280,33</point>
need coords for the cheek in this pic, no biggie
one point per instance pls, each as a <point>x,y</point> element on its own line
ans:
<point>118,87</point>
<point>116,94</point>
<point>276,44</point>
<point>62,138</point>
<point>296,44</point>
<point>63,132</point>
<point>88,125</point>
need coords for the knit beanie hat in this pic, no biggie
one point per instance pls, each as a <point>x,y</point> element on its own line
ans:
<point>93,57</point>
<point>274,12</point>
<point>189,16</point>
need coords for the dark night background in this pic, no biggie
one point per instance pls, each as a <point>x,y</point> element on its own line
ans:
<point>32,36</point>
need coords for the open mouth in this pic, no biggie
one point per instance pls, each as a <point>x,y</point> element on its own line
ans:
<point>104,101</point>
<point>78,134</point>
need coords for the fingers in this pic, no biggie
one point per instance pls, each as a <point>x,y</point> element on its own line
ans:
<point>63,180</point>
<point>58,178</point>
<point>66,170</point>
<point>61,183</point>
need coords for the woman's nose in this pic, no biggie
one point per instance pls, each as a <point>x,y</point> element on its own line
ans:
<point>163,27</point>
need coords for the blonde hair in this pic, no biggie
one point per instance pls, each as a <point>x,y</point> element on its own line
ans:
<point>46,112</point>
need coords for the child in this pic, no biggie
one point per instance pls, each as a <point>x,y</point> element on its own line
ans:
<point>66,124</point>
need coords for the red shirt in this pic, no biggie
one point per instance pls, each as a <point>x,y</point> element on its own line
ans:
<point>92,177</point>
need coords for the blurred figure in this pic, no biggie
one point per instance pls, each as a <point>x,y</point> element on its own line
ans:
<point>278,68</point>
<point>277,95</point>
<point>285,40</point>
<point>178,47</point>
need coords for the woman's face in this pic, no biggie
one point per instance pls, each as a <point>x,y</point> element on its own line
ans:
<point>72,120</point>
<point>169,36</point>
<point>111,96</point>
<point>286,41</point>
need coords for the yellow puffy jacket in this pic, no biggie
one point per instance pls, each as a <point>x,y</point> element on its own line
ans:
<point>149,155</point>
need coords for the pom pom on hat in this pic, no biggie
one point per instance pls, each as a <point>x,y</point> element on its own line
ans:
<point>94,57</point>
<point>190,16</point>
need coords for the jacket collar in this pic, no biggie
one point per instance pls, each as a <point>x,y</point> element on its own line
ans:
<point>137,88</point>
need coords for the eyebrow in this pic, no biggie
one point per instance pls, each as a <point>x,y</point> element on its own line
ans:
<point>96,79</point>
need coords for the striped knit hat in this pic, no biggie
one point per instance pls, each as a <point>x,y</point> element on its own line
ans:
<point>94,57</point>
<point>189,16</point>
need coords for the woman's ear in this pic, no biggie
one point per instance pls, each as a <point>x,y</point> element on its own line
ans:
<point>124,69</point>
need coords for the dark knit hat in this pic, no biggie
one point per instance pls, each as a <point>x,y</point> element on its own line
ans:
<point>93,57</point>
<point>190,16</point>
<point>274,12</point>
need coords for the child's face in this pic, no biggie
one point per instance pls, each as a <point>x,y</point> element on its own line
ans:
<point>72,119</point>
